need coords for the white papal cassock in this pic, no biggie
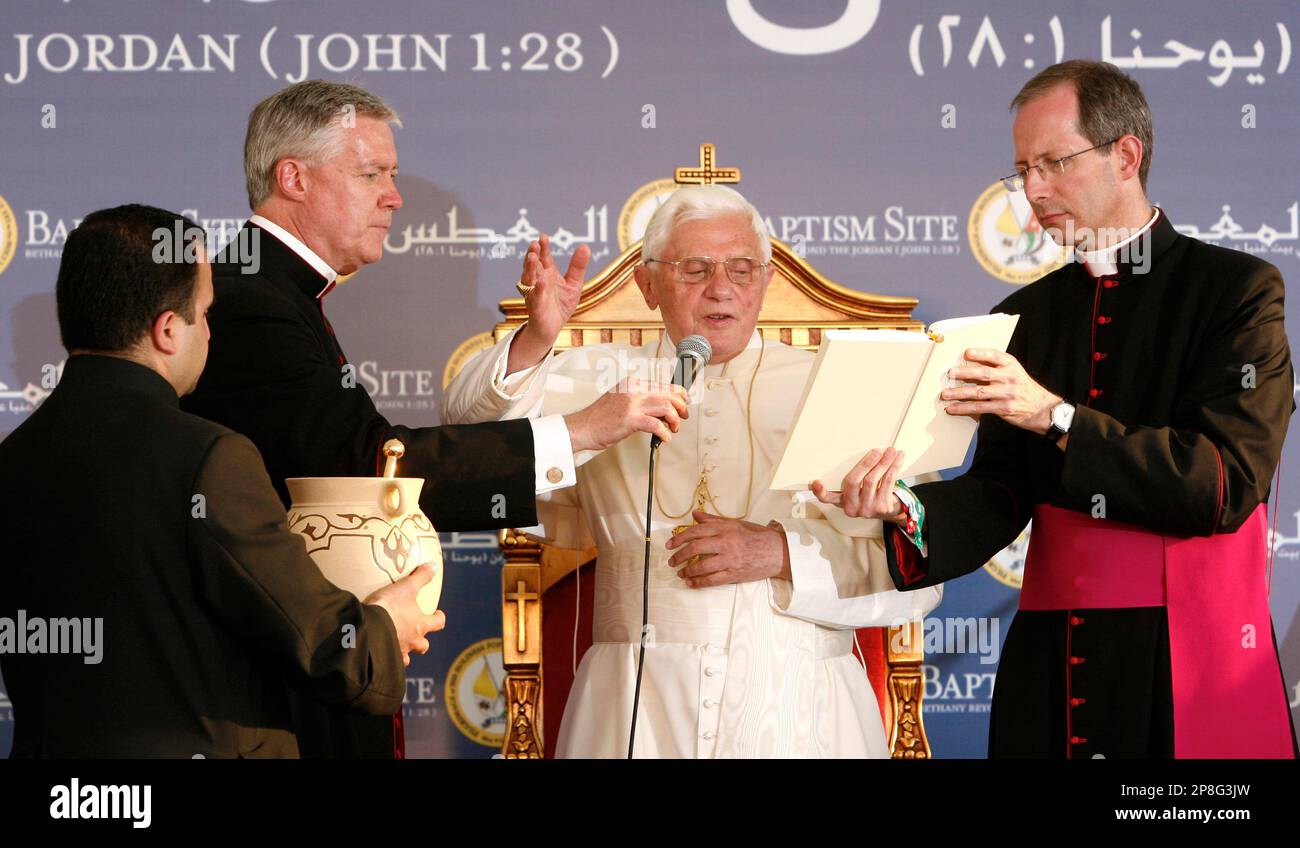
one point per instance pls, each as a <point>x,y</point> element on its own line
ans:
<point>757,669</point>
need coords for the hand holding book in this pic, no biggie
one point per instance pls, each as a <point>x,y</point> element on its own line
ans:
<point>997,384</point>
<point>867,491</point>
<point>877,389</point>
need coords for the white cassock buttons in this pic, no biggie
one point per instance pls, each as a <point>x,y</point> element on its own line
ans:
<point>709,703</point>
<point>710,440</point>
<point>710,671</point>
<point>709,734</point>
<point>711,411</point>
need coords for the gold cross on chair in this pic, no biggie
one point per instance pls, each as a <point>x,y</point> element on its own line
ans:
<point>706,174</point>
<point>521,597</point>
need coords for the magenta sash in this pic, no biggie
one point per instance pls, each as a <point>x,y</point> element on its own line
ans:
<point>1228,694</point>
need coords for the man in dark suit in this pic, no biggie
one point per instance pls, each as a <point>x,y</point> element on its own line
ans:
<point>320,167</point>
<point>160,536</point>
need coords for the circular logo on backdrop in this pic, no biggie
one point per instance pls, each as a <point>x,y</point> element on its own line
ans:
<point>1008,564</point>
<point>638,209</point>
<point>8,235</point>
<point>1007,239</point>
<point>475,693</point>
<point>463,353</point>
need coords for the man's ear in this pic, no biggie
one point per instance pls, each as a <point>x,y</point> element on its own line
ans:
<point>1130,151</point>
<point>164,332</point>
<point>291,178</point>
<point>642,276</point>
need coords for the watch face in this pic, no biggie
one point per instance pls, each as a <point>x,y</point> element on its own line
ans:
<point>1062,415</point>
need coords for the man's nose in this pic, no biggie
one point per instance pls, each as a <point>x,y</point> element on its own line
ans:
<point>718,286</point>
<point>392,198</point>
<point>1037,186</point>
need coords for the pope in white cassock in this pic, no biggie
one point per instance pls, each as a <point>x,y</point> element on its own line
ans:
<point>753,606</point>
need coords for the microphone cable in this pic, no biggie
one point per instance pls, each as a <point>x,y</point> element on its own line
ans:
<point>693,353</point>
<point>645,596</point>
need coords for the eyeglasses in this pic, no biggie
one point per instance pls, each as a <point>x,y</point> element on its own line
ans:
<point>741,270</point>
<point>1048,169</point>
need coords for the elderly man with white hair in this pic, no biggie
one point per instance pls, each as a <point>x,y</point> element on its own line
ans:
<point>754,604</point>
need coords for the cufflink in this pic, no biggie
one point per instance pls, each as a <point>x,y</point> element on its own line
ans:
<point>554,475</point>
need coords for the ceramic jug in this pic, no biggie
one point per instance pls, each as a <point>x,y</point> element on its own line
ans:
<point>366,532</point>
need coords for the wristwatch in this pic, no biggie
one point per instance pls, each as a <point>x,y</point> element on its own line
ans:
<point>1062,415</point>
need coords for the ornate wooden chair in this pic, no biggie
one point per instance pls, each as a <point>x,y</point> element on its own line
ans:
<point>546,620</point>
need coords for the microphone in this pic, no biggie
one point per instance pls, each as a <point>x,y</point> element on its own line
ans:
<point>693,353</point>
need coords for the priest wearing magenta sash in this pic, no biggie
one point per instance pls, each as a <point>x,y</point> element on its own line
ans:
<point>1137,418</point>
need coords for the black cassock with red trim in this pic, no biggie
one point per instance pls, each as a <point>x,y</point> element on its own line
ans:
<point>1180,369</point>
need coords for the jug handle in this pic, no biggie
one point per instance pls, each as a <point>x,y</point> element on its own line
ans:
<point>393,501</point>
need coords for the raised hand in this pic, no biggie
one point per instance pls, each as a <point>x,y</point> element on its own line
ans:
<point>550,298</point>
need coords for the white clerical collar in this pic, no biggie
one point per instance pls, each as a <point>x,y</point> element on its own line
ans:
<point>304,252</point>
<point>1101,263</point>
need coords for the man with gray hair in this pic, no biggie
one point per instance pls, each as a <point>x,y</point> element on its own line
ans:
<point>320,167</point>
<point>752,603</point>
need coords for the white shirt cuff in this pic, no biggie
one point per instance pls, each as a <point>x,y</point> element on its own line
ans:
<point>507,387</point>
<point>812,595</point>
<point>519,377</point>
<point>807,565</point>
<point>553,453</point>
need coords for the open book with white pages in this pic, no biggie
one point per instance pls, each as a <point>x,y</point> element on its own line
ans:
<point>880,388</point>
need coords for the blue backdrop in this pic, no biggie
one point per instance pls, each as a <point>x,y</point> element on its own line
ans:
<point>870,132</point>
